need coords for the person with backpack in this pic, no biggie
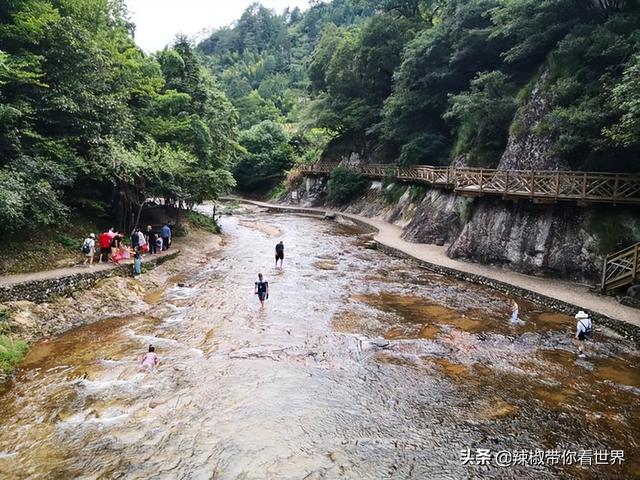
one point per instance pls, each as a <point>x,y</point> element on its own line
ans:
<point>584,329</point>
<point>262,290</point>
<point>135,239</point>
<point>279,253</point>
<point>89,249</point>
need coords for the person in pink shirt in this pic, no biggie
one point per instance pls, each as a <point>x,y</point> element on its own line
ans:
<point>150,360</point>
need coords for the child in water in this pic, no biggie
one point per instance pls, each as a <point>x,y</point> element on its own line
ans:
<point>150,360</point>
<point>515,311</point>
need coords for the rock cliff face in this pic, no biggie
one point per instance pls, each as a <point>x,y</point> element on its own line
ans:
<point>558,240</point>
<point>526,237</point>
<point>437,216</point>
<point>526,149</point>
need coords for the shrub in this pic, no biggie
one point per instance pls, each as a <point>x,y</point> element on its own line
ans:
<point>11,353</point>
<point>203,221</point>
<point>417,193</point>
<point>393,192</point>
<point>279,191</point>
<point>344,185</point>
<point>465,210</point>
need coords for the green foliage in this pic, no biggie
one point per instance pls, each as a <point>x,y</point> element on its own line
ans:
<point>465,210</point>
<point>81,107</point>
<point>12,352</point>
<point>417,193</point>
<point>392,192</point>
<point>626,100</point>
<point>482,116</point>
<point>263,65</point>
<point>345,185</point>
<point>585,71</point>
<point>279,191</point>
<point>614,230</point>
<point>266,158</point>
<point>67,242</point>
<point>203,221</point>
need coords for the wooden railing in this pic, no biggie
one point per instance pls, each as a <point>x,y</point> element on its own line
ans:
<point>538,185</point>
<point>621,268</point>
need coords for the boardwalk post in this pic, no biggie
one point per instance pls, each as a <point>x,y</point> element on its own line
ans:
<point>616,182</point>
<point>634,272</point>
<point>584,187</point>
<point>603,286</point>
<point>533,183</point>
<point>481,181</point>
<point>557,186</point>
<point>506,184</point>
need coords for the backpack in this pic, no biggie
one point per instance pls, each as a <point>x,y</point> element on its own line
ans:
<point>85,246</point>
<point>588,329</point>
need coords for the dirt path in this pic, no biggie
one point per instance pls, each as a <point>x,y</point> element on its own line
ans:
<point>568,292</point>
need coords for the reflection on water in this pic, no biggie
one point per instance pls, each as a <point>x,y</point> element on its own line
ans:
<point>300,391</point>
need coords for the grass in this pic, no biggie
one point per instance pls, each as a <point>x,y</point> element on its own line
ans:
<point>203,221</point>
<point>393,192</point>
<point>12,352</point>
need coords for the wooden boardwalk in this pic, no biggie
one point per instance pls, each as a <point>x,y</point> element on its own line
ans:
<point>621,268</point>
<point>536,185</point>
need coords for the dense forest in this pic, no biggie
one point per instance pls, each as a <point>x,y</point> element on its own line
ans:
<point>432,81</point>
<point>90,123</point>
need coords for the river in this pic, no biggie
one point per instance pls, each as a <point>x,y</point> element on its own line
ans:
<point>299,391</point>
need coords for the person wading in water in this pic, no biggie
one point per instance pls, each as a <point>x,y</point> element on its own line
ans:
<point>279,253</point>
<point>262,290</point>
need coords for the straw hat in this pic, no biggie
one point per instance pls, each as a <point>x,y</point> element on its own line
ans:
<point>91,235</point>
<point>581,315</point>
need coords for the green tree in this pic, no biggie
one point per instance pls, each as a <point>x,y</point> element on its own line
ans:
<point>268,156</point>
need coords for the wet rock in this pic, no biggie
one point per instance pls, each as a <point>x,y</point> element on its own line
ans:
<point>380,342</point>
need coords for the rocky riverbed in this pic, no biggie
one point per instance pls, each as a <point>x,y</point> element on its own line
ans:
<point>361,366</point>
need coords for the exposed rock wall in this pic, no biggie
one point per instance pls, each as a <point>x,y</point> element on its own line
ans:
<point>555,239</point>
<point>437,217</point>
<point>558,240</point>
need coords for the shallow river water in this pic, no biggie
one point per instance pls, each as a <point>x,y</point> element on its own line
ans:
<point>299,391</point>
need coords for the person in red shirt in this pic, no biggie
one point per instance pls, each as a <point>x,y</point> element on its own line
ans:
<point>104,240</point>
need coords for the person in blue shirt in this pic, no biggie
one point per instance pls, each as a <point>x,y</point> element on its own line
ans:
<point>166,236</point>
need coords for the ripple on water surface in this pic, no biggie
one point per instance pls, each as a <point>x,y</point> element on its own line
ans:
<point>301,390</point>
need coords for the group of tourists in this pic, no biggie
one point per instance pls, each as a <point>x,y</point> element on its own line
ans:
<point>114,249</point>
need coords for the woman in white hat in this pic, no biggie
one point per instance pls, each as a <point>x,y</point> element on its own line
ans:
<point>584,328</point>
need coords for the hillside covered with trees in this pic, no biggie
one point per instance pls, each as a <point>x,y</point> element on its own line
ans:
<point>90,123</point>
<point>430,81</point>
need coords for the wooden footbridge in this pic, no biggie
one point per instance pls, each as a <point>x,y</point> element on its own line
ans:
<point>539,186</point>
<point>620,269</point>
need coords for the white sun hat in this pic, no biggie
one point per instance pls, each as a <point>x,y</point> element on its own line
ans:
<point>581,315</point>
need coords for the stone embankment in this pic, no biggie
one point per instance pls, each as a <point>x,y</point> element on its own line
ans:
<point>39,290</point>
